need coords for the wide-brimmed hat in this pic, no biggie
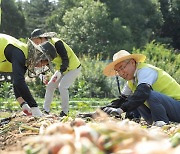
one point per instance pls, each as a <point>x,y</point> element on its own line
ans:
<point>37,53</point>
<point>119,57</point>
<point>39,33</point>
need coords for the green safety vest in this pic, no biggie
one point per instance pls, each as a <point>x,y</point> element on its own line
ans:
<point>5,65</point>
<point>164,84</point>
<point>73,59</point>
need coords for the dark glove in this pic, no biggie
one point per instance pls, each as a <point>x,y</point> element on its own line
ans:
<point>116,103</point>
<point>133,115</point>
<point>113,111</point>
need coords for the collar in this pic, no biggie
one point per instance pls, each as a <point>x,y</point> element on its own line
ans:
<point>135,74</point>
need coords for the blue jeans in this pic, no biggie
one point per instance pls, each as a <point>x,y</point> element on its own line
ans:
<point>161,108</point>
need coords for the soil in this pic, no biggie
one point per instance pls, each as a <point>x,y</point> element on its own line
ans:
<point>74,134</point>
<point>13,133</point>
<point>14,144</point>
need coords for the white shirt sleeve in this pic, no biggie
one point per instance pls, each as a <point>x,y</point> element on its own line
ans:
<point>126,90</point>
<point>147,75</point>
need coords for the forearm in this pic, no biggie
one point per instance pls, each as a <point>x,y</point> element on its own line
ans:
<point>20,87</point>
<point>24,94</point>
<point>20,100</point>
<point>61,50</point>
<point>140,95</point>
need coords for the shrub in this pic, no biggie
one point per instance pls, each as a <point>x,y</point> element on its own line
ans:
<point>92,82</point>
<point>163,57</point>
<point>6,90</point>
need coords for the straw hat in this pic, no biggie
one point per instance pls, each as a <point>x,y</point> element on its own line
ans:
<point>119,57</point>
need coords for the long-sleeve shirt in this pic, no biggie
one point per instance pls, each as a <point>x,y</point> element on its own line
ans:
<point>18,60</point>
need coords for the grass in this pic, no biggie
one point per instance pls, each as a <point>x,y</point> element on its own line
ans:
<point>8,106</point>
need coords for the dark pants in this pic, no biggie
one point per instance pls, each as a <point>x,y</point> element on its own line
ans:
<point>161,108</point>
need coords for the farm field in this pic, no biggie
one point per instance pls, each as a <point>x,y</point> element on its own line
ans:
<point>87,35</point>
<point>101,134</point>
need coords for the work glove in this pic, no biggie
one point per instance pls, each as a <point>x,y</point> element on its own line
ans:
<point>113,111</point>
<point>116,103</point>
<point>36,112</point>
<point>56,76</point>
<point>26,109</point>
<point>43,78</point>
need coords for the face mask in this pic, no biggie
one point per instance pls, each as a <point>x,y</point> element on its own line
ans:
<point>38,71</point>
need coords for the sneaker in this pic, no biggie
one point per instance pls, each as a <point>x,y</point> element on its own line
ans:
<point>159,123</point>
<point>45,112</point>
<point>62,114</point>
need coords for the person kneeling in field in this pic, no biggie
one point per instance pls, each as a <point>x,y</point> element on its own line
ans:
<point>18,57</point>
<point>150,90</point>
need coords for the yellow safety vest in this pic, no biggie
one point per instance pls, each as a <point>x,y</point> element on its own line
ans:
<point>5,65</point>
<point>73,59</point>
<point>164,84</point>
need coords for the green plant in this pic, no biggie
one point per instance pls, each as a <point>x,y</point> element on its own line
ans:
<point>6,90</point>
<point>162,56</point>
<point>92,83</point>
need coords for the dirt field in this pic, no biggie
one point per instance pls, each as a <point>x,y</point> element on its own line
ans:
<point>73,136</point>
<point>18,130</point>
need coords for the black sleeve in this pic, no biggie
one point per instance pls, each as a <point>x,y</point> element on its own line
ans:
<point>140,95</point>
<point>21,89</point>
<point>61,50</point>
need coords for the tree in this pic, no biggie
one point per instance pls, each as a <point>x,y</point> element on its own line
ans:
<point>171,25</point>
<point>161,55</point>
<point>56,17</point>
<point>0,13</point>
<point>37,13</point>
<point>143,18</point>
<point>13,22</point>
<point>89,30</point>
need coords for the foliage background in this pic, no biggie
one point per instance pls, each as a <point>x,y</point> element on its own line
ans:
<point>93,27</point>
<point>96,30</point>
<point>93,84</point>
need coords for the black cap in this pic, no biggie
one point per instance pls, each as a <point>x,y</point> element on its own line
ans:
<point>39,33</point>
<point>36,33</point>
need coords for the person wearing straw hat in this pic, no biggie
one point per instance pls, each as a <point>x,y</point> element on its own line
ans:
<point>68,68</point>
<point>150,90</point>
<point>17,57</point>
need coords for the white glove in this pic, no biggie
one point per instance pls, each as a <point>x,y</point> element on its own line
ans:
<point>36,112</point>
<point>43,78</point>
<point>26,109</point>
<point>113,111</point>
<point>56,76</point>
